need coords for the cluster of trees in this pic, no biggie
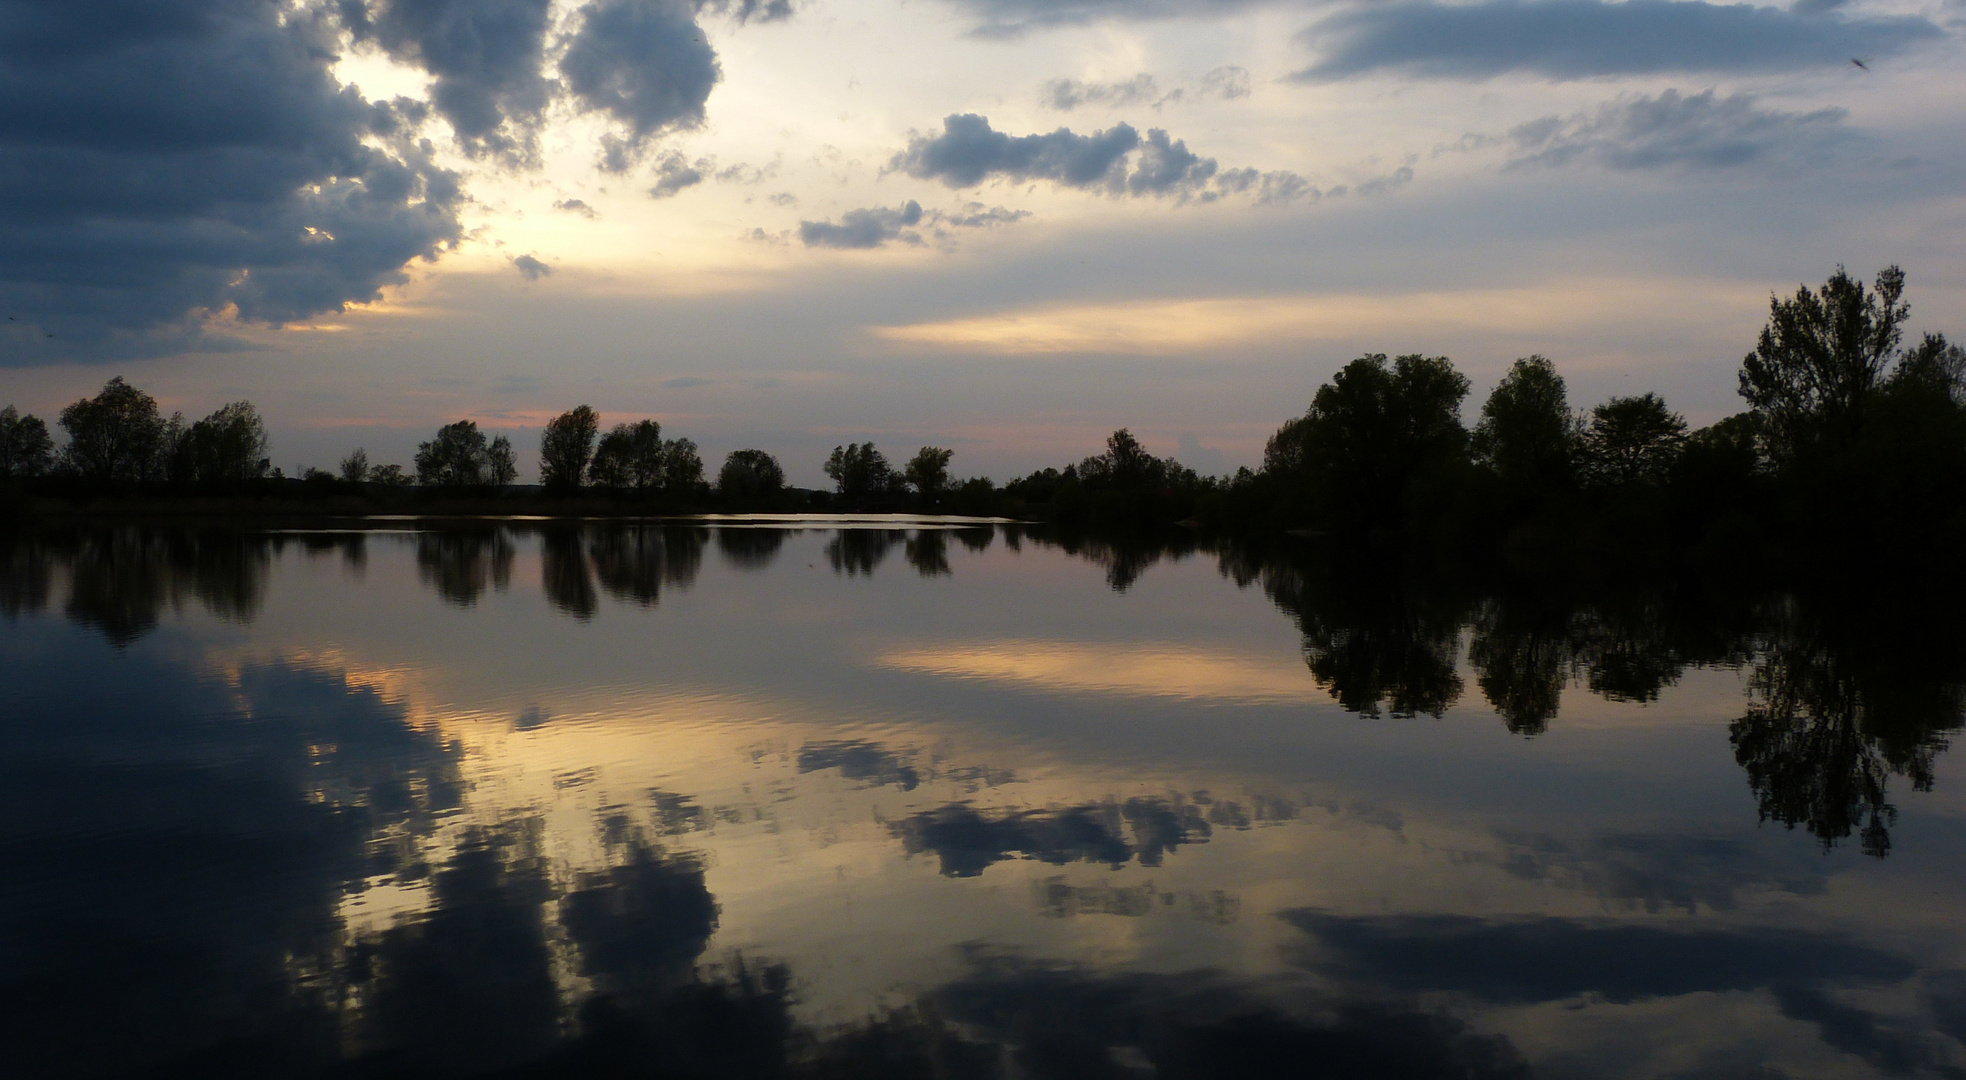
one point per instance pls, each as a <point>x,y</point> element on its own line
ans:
<point>630,457</point>
<point>1849,436</point>
<point>118,437</point>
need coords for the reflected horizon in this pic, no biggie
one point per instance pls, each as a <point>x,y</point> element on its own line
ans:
<point>716,799</point>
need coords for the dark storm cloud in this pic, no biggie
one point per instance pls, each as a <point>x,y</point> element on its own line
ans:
<point>486,59</point>
<point>1550,959</point>
<point>1578,39</point>
<point>969,152</point>
<point>1700,132</point>
<point>163,158</point>
<point>643,63</point>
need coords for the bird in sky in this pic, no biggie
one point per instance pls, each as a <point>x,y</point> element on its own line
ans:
<point>1859,63</point>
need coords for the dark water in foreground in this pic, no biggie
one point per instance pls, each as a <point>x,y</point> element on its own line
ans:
<point>537,800</point>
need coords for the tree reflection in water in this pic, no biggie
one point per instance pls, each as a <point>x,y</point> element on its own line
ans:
<point>856,552</point>
<point>461,563</point>
<point>187,915</point>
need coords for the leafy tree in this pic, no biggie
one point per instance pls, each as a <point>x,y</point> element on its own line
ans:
<point>26,451</point>
<point>1527,432</point>
<point>456,458</point>
<point>355,467</point>
<point>1632,440</point>
<point>566,448</point>
<point>611,466</point>
<point>860,470</point>
<point>501,466</point>
<point>629,456</point>
<point>749,474</point>
<point>1935,368</point>
<point>682,469</point>
<point>115,436</point>
<point>928,470</point>
<point>390,476</point>
<point>1820,359</point>
<point>1376,436</point>
<point>1126,464</point>
<point>229,446</point>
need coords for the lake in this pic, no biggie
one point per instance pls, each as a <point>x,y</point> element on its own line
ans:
<point>537,798</point>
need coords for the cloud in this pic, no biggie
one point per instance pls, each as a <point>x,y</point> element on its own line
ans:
<point>745,11</point>
<point>969,152</point>
<point>875,226</point>
<point>643,63</point>
<point>1015,18</point>
<point>977,216</point>
<point>675,172</point>
<point>1068,94</point>
<point>1392,181</point>
<point>686,382</point>
<point>1578,39</point>
<point>1545,958</point>
<point>486,58</point>
<point>967,841</point>
<point>1700,132</point>
<point>1205,460</point>
<point>577,206</point>
<point>531,268</point>
<point>870,227</point>
<point>1228,82</point>
<point>198,158</point>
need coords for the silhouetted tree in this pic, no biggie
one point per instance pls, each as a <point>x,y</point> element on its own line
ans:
<point>629,456</point>
<point>116,436</point>
<point>26,451</point>
<point>1126,464</point>
<point>682,470</point>
<point>456,458</point>
<point>928,470</point>
<point>227,447</point>
<point>1820,358</point>
<point>1377,438</point>
<point>750,474</point>
<point>501,466</point>
<point>355,467</point>
<point>1527,433</point>
<point>1633,440</point>
<point>860,471</point>
<point>566,447</point>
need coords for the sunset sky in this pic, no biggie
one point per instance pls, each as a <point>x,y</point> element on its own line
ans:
<point>1000,226</point>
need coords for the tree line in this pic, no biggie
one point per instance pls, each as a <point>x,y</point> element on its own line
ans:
<point>1849,434</point>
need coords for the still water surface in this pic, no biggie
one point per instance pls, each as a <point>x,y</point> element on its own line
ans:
<point>534,799</point>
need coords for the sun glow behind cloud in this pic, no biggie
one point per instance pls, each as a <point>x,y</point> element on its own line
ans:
<point>1171,327</point>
